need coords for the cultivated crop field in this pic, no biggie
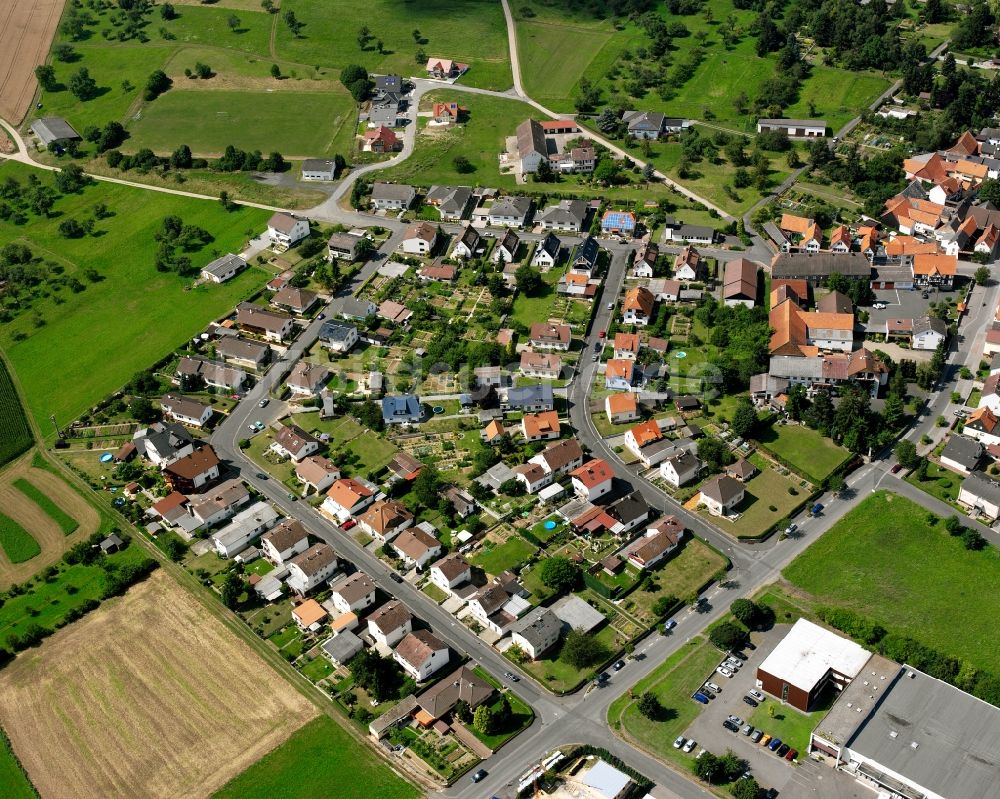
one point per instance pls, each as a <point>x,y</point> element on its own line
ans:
<point>15,432</point>
<point>26,28</point>
<point>89,344</point>
<point>148,696</point>
<point>31,537</point>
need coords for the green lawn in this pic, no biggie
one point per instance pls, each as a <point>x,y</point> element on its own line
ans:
<point>521,717</point>
<point>559,676</point>
<point>681,576</point>
<point>539,306</point>
<point>14,781</point>
<point>884,561</point>
<point>16,542</point>
<point>512,552</point>
<point>88,344</point>
<point>321,759</point>
<point>672,683</point>
<point>467,31</point>
<point>941,482</point>
<point>766,490</point>
<point>248,120</point>
<point>788,724</point>
<point>810,453</point>
<point>66,522</point>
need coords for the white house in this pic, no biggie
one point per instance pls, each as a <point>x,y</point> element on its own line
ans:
<point>224,268</point>
<point>338,337</point>
<point>351,594</point>
<point>420,238</point>
<point>316,473</point>
<point>294,443</point>
<point>245,526</point>
<point>506,249</point>
<point>421,654</point>
<point>537,632</point>
<point>659,541</point>
<point>312,567</point>
<point>621,407</point>
<point>185,410</point>
<point>928,332</point>
<point>318,169</point>
<point>680,468</point>
<point>390,623</point>
<point>285,230</point>
<point>721,494</point>
<point>417,547</point>
<point>981,493</point>
<point>593,479</point>
<point>498,604</point>
<point>547,253</point>
<point>347,497</point>
<point>284,542</point>
<point>532,476</point>
<point>452,570</point>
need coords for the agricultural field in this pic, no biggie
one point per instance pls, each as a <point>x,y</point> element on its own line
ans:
<point>87,340</point>
<point>886,562</point>
<point>15,784</point>
<point>319,759</point>
<point>15,432</point>
<point>808,452</point>
<point>154,665</point>
<point>25,36</point>
<point>467,31</point>
<point>36,537</point>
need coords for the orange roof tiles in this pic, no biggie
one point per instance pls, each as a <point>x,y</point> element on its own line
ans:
<point>937,264</point>
<point>593,473</point>
<point>646,432</point>
<point>540,424</point>
<point>795,224</point>
<point>627,341</point>
<point>623,402</point>
<point>639,299</point>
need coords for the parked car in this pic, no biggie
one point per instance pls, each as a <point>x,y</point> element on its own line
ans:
<point>348,524</point>
<point>261,476</point>
<point>747,730</point>
<point>679,741</point>
<point>724,671</point>
<point>783,750</point>
<point>395,577</point>
<point>880,305</point>
<point>603,677</point>
<point>711,686</point>
<point>668,625</point>
<point>733,663</point>
<point>688,746</point>
<point>596,358</point>
<point>598,346</point>
<point>791,754</point>
<point>479,776</point>
<point>770,793</point>
<point>263,403</point>
<point>756,735</point>
<point>896,469</point>
<point>765,739</point>
<point>735,720</point>
<point>611,306</point>
<point>619,665</point>
<point>321,316</point>
<point>816,509</point>
<point>756,695</point>
<point>698,696</point>
<point>791,529</point>
<point>602,334</point>
<point>752,702</point>
<point>740,656</point>
<point>730,726</point>
<point>775,743</point>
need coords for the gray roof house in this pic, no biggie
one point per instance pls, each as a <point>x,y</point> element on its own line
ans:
<point>384,114</point>
<point>537,632</point>
<point>319,169</point>
<point>388,83</point>
<point>530,398</point>
<point>962,454</point>
<point>393,196</point>
<point>644,124</point>
<point>401,409</point>
<point>566,215</point>
<point>224,268</point>
<point>510,211</point>
<point>451,201</point>
<point>53,129</point>
<point>243,351</point>
<point>353,308</point>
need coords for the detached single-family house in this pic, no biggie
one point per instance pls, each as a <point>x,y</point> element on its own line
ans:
<point>962,454</point>
<point>446,113</point>
<point>338,337</point>
<point>392,196</point>
<point>637,309</point>
<point>981,493</point>
<point>353,593</point>
<point>163,443</point>
<point>314,566</point>
<point>680,468</point>
<point>658,542</point>
<point>721,494</point>
<point>644,124</point>
<point>421,654</point>
<point>928,332</point>
<point>243,351</point>
<point>343,247</point>
<point>540,364</point>
<point>499,603</point>
<point>618,223</point>
<point>540,426</point>
<point>467,243</point>
<point>386,519</point>
<point>271,325</point>
<point>185,410</point>
<point>224,268</point>
<point>294,300</point>
<point>537,632</point>
<point>417,547</point>
<point>528,398</point>
<point>218,504</point>
<point>244,527</point>
<point>293,442</point>
<point>509,211</point>
<point>644,265</point>
<point>567,215</point>
<point>626,345</point>
<point>307,379</point>
<point>420,238</point>
<point>213,373</point>
<point>592,480</point>
<point>316,473</point>
<point>547,253</point>
<point>559,457</point>
<point>532,476</point>
<point>621,407</point>
<point>347,497</point>
<point>687,264</point>
<point>284,542</point>
<point>401,409</point>
<point>444,68</point>
<point>506,250</point>
<point>982,425</point>
<point>381,140</point>
<point>545,336</point>
<point>390,623</point>
<point>286,230</point>
<point>451,571</point>
<point>621,374</point>
<point>309,615</point>
<point>450,201</point>
<point>193,472</point>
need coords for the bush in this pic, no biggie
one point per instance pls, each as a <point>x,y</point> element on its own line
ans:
<point>728,636</point>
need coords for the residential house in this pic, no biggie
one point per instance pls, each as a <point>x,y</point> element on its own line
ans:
<point>353,593</point>
<point>342,647</point>
<point>218,504</point>
<point>353,308</point>
<point>451,571</point>
<point>509,211</point>
<point>547,253</point>
<point>506,250</point>
<point>592,480</point>
<point>338,337</point>
<point>163,443</point>
<point>642,434</point>
<point>222,269</point>
<point>420,238</point>
<point>740,284</point>
<point>540,426</point>
<point>531,148</point>
<point>307,379</point>
<point>981,425</point>
<point>319,169</point>
<point>545,336</point>
<point>962,454</point>
<point>438,272</point>
<point>381,140</point>
<point>687,264</point>
<point>560,457</point>
<point>644,124</point>
<point>692,234</point>
<point>794,128</point>
<point>816,268</point>
<point>741,470</point>
<point>462,685</point>
<point>566,215</point>
<point>348,497</point>
<point>309,615</point>
<point>935,269</point>
<point>404,466</point>
<point>840,239</point>
<point>212,373</point>
<point>680,468</point>
<point>537,632</point>
<point>467,243</point>
<point>644,264</point>
<point>388,84</point>
<point>421,654</point>
<point>618,223</point>
<point>243,351</point>
<point>626,345</point>
<point>499,603</point>
<point>314,566</point>
<point>585,256</point>
<point>637,309</point>
<point>392,196</point>
<point>493,432</point>
<point>244,527</point>
<point>316,473</point>
<point>390,623</point>
<point>286,230</point>
<point>284,541</point>
<point>193,472</point>
<point>721,494</point>
<point>401,409</point>
<point>621,374</point>
<point>417,548</point>
<point>528,399</point>
<point>796,331</point>
<point>386,519</point>
<point>293,442</point>
<point>532,476</point>
<point>664,290</point>
<point>928,332</point>
<point>271,325</point>
<point>451,201</point>
<point>981,493</point>
<point>576,159</point>
<point>658,542</point>
<point>540,364</point>
<point>185,410</point>
<point>622,407</point>
<point>627,513</point>
<point>446,113</point>
<point>343,247</point>
<point>461,501</point>
<point>394,312</point>
<point>295,300</point>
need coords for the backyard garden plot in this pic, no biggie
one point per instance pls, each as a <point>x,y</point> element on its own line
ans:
<point>495,557</point>
<point>88,340</point>
<point>151,666</point>
<point>885,561</point>
<point>805,450</point>
<point>319,759</point>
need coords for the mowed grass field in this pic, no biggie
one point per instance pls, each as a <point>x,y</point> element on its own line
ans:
<point>883,560</point>
<point>207,121</point>
<point>321,759</point>
<point>66,522</point>
<point>15,432</point>
<point>94,341</point>
<point>150,695</point>
<point>468,31</point>
<point>810,453</point>
<point>16,542</point>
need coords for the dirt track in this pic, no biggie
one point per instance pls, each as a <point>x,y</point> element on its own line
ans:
<point>33,519</point>
<point>148,696</point>
<point>26,30</point>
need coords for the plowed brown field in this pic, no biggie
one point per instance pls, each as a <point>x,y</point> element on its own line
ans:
<point>149,696</point>
<point>26,30</point>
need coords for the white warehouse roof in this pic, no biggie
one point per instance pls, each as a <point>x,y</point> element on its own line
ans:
<point>809,651</point>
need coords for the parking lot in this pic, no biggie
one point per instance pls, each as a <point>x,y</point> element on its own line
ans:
<point>903,304</point>
<point>807,778</point>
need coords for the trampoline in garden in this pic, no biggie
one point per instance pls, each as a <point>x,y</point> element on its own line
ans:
<point>107,457</point>
<point>438,409</point>
<point>680,354</point>
<point>549,525</point>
